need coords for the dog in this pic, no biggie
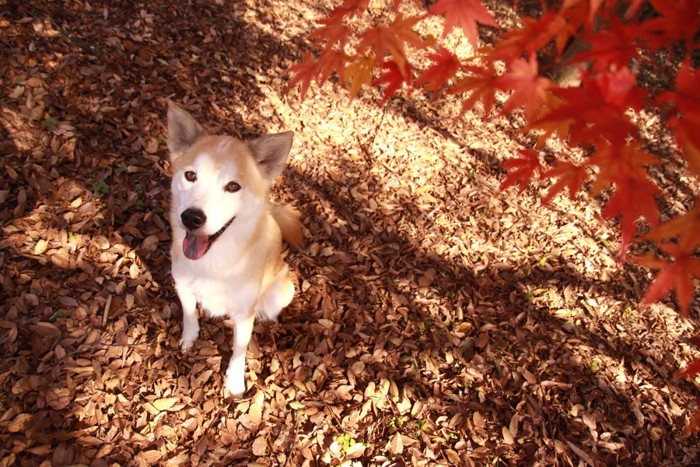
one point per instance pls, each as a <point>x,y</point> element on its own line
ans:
<point>227,237</point>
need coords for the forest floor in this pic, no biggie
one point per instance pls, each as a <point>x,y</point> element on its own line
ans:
<point>437,320</point>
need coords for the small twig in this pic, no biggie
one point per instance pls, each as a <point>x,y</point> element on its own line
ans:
<point>294,430</point>
<point>108,305</point>
<point>367,147</point>
<point>581,453</point>
<point>381,122</point>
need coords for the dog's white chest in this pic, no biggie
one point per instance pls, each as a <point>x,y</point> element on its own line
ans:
<point>232,295</point>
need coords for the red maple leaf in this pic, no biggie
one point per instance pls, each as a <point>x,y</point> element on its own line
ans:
<point>524,169</point>
<point>560,127</point>
<point>617,161</point>
<point>393,78</point>
<point>685,227</point>
<point>444,66</point>
<point>319,70</point>
<point>350,8</point>
<point>633,198</point>
<point>634,6</point>
<point>678,20</point>
<point>333,32</point>
<point>383,39</point>
<point>533,36</point>
<point>304,73</point>
<point>529,88</point>
<point>686,123</point>
<point>359,73</point>
<point>691,370</point>
<point>465,14</point>
<point>694,423</point>
<point>688,136</point>
<point>579,14</point>
<point>686,96</point>
<point>677,275</point>
<point>403,30</point>
<point>598,108</point>
<point>613,47</point>
<point>480,85</point>
<point>569,176</point>
<point>332,61</point>
<point>595,6</point>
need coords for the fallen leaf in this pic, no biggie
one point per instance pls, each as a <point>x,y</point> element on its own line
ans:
<point>165,403</point>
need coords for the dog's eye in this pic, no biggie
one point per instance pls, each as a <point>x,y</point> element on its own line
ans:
<point>232,187</point>
<point>190,176</point>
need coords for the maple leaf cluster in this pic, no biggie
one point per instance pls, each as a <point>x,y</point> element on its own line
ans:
<point>596,115</point>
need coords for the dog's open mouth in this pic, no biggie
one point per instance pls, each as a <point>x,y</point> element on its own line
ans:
<point>195,246</point>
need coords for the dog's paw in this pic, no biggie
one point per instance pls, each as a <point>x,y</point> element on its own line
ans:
<point>235,385</point>
<point>186,344</point>
<point>189,335</point>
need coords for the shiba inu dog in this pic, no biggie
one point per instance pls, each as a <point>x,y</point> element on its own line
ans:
<point>227,237</point>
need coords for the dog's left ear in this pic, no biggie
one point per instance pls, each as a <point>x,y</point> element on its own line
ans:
<point>271,152</point>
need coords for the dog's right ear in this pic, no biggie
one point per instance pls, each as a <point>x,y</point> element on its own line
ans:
<point>183,130</point>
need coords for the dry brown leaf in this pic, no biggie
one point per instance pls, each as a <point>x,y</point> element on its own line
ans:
<point>40,247</point>
<point>513,427</point>
<point>395,445</point>
<point>529,377</point>
<point>452,456</point>
<point>260,446</point>
<point>355,451</point>
<point>478,420</point>
<point>20,423</point>
<point>151,456</point>
<point>255,410</point>
<point>150,243</point>
<point>507,435</point>
<point>582,454</point>
<point>589,421</point>
<point>89,441</point>
<point>165,403</point>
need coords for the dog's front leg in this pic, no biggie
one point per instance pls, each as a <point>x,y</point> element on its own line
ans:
<point>235,375</point>
<point>190,324</point>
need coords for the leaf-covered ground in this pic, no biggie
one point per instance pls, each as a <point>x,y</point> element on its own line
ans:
<point>437,321</point>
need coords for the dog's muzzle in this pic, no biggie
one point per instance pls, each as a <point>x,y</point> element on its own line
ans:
<point>194,246</point>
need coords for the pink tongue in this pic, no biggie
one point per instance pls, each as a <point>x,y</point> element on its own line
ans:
<point>194,246</point>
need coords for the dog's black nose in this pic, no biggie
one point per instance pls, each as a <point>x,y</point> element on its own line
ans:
<point>193,218</point>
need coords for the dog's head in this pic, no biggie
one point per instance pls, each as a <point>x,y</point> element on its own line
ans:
<point>218,180</point>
